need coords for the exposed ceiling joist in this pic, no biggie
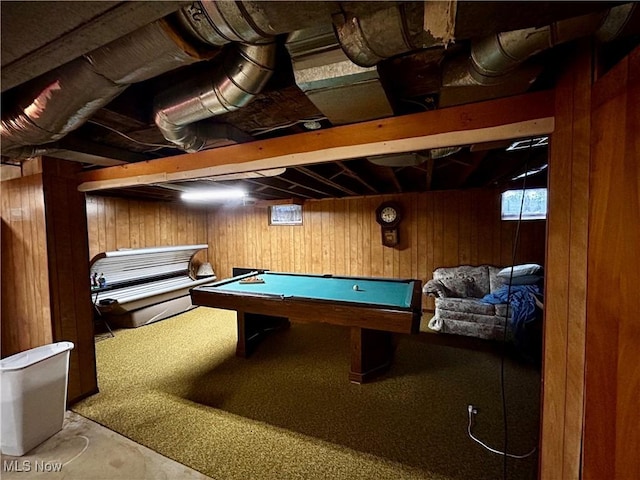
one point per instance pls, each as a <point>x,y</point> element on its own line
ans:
<point>514,117</point>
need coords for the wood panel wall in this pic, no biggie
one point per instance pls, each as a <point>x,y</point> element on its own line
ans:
<point>566,274</point>
<point>612,390</point>
<point>45,288</point>
<point>26,311</point>
<point>115,223</point>
<point>341,236</point>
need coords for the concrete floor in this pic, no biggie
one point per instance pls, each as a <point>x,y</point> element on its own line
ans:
<point>85,450</point>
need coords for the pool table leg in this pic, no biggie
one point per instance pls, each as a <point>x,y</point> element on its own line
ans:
<point>252,328</point>
<point>371,353</point>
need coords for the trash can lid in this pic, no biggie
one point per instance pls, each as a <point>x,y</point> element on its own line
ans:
<point>29,357</point>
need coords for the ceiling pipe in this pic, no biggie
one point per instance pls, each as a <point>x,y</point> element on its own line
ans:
<point>243,74</point>
<point>495,59</point>
<point>58,102</point>
<point>221,22</point>
<point>368,37</point>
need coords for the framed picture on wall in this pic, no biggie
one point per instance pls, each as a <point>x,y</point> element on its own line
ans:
<point>285,215</point>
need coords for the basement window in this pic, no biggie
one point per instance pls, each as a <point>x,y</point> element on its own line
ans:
<point>534,205</point>
<point>285,215</point>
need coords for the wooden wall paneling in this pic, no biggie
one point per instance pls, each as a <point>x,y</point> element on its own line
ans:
<point>438,230</point>
<point>369,228</point>
<point>413,260</point>
<point>450,228</point>
<point>464,229</point>
<point>611,435</point>
<point>485,224</point>
<point>298,244</point>
<point>42,280</point>
<point>405,266</point>
<point>566,273</point>
<point>26,314</point>
<point>92,226</point>
<point>266,242</point>
<point>315,229</point>
<point>134,224</point>
<point>307,238</point>
<point>11,244</point>
<point>110,225</point>
<point>258,217</point>
<point>422,232</point>
<point>377,249</point>
<point>122,223</point>
<point>25,262</point>
<point>338,222</point>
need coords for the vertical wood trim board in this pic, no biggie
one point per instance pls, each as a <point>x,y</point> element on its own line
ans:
<point>612,421</point>
<point>566,273</point>
<point>341,237</point>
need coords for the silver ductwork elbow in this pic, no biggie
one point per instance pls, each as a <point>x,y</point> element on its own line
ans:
<point>494,58</point>
<point>500,54</point>
<point>218,23</point>
<point>243,74</point>
<point>58,102</point>
<point>368,37</point>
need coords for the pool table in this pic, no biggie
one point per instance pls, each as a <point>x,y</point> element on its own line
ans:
<point>373,308</point>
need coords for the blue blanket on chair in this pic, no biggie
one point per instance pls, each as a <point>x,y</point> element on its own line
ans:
<point>522,304</point>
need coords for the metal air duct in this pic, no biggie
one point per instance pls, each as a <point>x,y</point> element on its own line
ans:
<point>58,102</point>
<point>325,74</point>
<point>222,22</point>
<point>369,36</point>
<point>494,58</point>
<point>178,111</point>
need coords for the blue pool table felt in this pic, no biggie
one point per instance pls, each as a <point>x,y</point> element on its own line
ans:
<point>390,293</point>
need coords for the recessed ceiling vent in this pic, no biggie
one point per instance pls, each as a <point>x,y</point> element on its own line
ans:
<point>410,159</point>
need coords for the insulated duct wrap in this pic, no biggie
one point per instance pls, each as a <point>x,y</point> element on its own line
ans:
<point>245,71</point>
<point>51,106</point>
<point>60,101</point>
<point>147,53</point>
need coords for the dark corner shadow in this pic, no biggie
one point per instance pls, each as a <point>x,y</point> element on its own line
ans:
<point>297,380</point>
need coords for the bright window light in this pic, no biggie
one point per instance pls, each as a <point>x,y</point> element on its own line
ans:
<point>212,195</point>
<point>534,206</point>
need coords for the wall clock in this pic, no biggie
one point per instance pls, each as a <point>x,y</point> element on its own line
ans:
<point>388,215</point>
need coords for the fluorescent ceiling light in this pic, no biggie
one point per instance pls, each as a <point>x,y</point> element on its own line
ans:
<point>212,194</point>
<point>529,143</point>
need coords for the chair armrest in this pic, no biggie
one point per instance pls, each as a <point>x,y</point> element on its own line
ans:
<point>435,288</point>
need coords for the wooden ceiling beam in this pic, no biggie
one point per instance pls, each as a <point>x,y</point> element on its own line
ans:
<point>519,116</point>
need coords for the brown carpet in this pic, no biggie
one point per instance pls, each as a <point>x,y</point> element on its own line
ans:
<point>289,412</point>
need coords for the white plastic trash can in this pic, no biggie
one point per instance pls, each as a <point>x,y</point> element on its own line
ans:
<point>34,396</point>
